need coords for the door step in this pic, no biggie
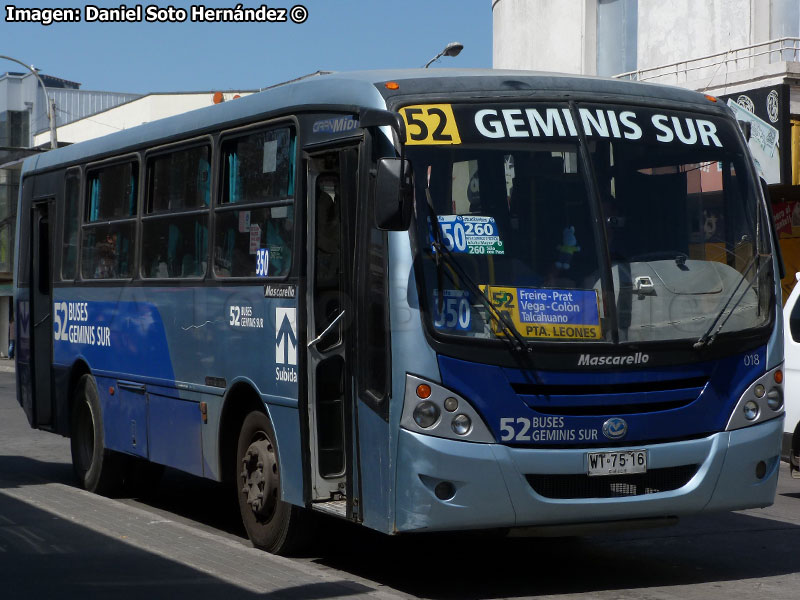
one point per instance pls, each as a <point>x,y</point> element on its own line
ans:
<point>337,508</point>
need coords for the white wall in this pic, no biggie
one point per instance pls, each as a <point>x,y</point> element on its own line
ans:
<point>674,30</point>
<point>143,110</point>
<point>545,35</point>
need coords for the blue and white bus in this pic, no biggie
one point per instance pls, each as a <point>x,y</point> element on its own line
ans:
<point>419,300</point>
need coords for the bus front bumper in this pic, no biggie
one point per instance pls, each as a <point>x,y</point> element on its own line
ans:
<point>491,483</point>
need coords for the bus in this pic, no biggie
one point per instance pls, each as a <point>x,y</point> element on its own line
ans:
<point>418,300</point>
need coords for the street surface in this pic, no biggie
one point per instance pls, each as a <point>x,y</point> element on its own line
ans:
<point>184,541</point>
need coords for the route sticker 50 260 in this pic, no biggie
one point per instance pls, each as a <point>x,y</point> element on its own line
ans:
<point>430,124</point>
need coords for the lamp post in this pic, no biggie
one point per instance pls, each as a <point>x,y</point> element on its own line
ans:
<point>51,109</point>
<point>452,49</point>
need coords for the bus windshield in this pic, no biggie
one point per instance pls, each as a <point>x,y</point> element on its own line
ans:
<point>658,236</point>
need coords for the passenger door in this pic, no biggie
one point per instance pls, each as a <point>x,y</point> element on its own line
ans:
<point>331,185</point>
<point>41,311</point>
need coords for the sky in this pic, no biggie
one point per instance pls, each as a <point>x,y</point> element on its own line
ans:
<point>337,35</point>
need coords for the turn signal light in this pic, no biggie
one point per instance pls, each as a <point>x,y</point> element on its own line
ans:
<point>423,391</point>
<point>778,376</point>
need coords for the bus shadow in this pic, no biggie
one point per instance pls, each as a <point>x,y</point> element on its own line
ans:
<point>216,507</point>
<point>16,471</point>
<point>44,555</point>
<point>713,549</point>
<point>699,550</point>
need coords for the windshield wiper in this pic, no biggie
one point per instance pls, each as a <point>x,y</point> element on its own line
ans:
<point>708,338</point>
<point>442,252</point>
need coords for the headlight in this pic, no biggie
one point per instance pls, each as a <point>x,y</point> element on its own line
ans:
<point>433,410</point>
<point>451,404</point>
<point>760,402</point>
<point>461,424</point>
<point>775,399</point>
<point>426,414</point>
<point>751,410</point>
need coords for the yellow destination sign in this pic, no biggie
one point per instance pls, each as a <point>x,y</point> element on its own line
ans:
<point>548,313</point>
<point>430,124</point>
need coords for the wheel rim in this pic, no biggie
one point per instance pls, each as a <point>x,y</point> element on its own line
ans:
<point>259,478</point>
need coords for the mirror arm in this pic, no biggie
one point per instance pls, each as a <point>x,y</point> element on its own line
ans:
<point>375,117</point>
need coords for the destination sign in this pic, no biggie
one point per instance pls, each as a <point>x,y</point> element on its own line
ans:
<point>548,313</point>
<point>453,124</point>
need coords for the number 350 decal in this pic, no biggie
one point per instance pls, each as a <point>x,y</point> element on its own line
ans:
<point>430,124</point>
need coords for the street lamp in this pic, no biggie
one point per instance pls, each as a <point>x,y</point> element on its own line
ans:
<point>452,49</point>
<point>51,109</point>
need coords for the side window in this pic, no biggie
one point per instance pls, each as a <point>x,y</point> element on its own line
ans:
<point>254,223</point>
<point>175,228</point>
<point>69,251</point>
<point>109,227</point>
<point>258,167</point>
<point>254,243</point>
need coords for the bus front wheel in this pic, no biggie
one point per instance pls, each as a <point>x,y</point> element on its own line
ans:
<point>272,524</point>
<point>96,469</point>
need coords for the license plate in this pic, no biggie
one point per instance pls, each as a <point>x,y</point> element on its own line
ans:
<point>623,462</point>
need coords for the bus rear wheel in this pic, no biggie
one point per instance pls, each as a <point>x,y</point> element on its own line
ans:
<point>97,470</point>
<point>272,524</point>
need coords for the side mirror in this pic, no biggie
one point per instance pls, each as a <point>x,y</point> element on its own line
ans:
<point>393,199</point>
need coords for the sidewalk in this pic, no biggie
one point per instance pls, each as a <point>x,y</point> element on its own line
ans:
<point>7,365</point>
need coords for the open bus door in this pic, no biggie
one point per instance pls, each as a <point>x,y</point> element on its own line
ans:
<point>331,187</point>
<point>41,318</point>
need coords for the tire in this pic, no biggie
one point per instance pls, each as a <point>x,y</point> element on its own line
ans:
<point>271,524</point>
<point>97,470</point>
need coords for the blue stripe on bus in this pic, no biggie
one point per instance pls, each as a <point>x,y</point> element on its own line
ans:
<point>651,415</point>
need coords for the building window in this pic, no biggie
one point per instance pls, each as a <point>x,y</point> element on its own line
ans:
<point>9,192</point>
<point>617,27</point>
<point>14,129</point>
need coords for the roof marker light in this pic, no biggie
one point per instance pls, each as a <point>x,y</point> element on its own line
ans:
<point>392,85</point>
<point>710,98</point>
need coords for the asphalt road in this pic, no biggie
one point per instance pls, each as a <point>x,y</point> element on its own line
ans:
<point>184,540</point>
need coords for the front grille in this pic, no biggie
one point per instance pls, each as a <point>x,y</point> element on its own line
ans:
<point>634,387</point>
<point>631,398</point>
<point>611,486</point>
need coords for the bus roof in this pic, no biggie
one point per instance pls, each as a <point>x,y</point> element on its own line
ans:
<point>355,90</point>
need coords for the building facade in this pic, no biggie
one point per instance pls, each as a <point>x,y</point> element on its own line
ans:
<point>745,52</point>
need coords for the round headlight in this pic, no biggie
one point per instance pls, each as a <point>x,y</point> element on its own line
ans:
<point>450,404</point>
<point>759,391</point>
<point>751,410</point>
<point>775,399</point>
<point>426,414</point>
<point>461,424</point>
